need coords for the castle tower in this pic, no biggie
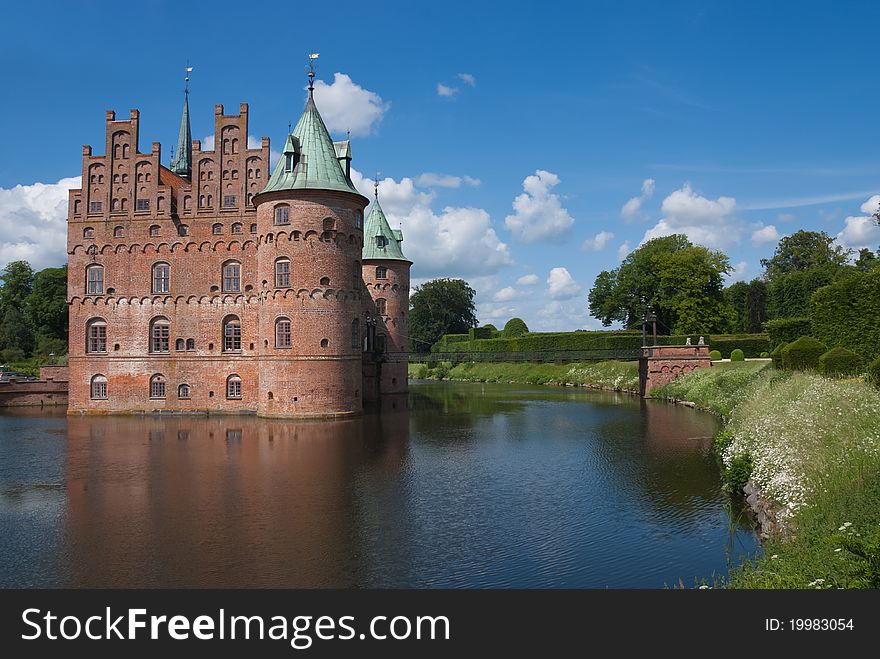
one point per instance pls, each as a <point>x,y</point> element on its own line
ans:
<point>386,276</point>
<point>310,236</point>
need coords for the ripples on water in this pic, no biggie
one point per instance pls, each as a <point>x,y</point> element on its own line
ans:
<point>460,485</point>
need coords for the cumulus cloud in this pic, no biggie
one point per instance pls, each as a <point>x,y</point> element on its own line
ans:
<point>489,312</point>
<point>561,285</point>
<point>452,242</point>
<point>506,294</point>
<point>708,222</point>
<point>528,280</point>
<point>539,214</point>
<point>433,180</point>
<point>446,90</point>
<point>861,230</point>
<point>871,206</point>
<point>739,272</point>
<point>631,208</point>
<point>33,223</point>
<point>468,79</point>
<point>598,242</point>
<point>765,235</point>
<point>623,251</point>
<point>345,105</point>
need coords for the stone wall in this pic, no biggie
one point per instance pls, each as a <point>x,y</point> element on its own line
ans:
<point>660,365</point>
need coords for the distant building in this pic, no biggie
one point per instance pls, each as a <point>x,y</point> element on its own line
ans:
<point>215,286</point>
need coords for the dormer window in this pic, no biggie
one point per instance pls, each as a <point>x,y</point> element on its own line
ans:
<point>289,162</point>
<point>381,241</point>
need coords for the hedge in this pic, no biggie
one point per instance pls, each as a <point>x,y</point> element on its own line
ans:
<point>479,333</point>
<point>847,313</point>
<point>873,375</point>
<point>776,355</point>
<point>803,354</point>
<point>515,327</point>
<point>840,362</point>
<point>786,330</point>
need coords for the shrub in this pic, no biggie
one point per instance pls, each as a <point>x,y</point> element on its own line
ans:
<point>840,362</point>
<point>765,355</point>
<point>515,327</point>
<point>776,355</point>
<point>873,375</point>
<point>12,355</point>
<point>441,371</point>
<point>751,344</point>
<point>737,355</point>
<point>803,354</point>
<point>786,330</point>
<point>714,355</point>
<point>846,313</point>
<point>422,372</point>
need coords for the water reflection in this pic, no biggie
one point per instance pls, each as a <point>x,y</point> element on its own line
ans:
<point>459,485</point>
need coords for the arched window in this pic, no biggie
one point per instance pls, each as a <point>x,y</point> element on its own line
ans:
<point>118,232</point>
<point>381,272</point>
<point>95,280</point>
<point>154,230</point>
<point>232,277</point>
<point>355,333</point>
<point>179,344</point>
<point>183,392</point>
<point>282,333</point>
<point>282,214</point>
<point>329,224</point>
<point>254,227</point>
<point>380,306</point>
<point>161,278</point>
<point>99,387</point>
<point>233,387</point>
<point>157,386</point>
<point>160,332</point>
<point>96,335</point>
<point>282,273</point>
<point>231,334</point>
<point>183,230</point>
<point>88,233</point>
<point>358,219</point>
<point>190,344</point>
<point>236,228</point>
<point>356,280</point>
<point>217,229</point>
<point>325,281</point>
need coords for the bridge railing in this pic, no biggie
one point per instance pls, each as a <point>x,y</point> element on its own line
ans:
<point>533,356</point>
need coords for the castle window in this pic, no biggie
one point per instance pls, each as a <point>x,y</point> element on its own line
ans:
<point>325,281</point>
<point>125,150</point>
<point>125,178</point>
<point>282,214</point>
<point>380,306</point>
<point>329,224</point>
<point>282,333</point>
<point>157,386</point>
<point>95,280</point>
<point>232,277</point>
<point>233,387</point>
<point>229,201</point>
<point>358,219</point>
<point>234,145</point>
<point>210,200</point>
<point>179,344</point>
<point>288,162</point>
<point>160,332</point>
<point>250,199</point>
<point>190,344</point>
<point>99,387</point>
<point>124,204</point>
<point>380,343</point>
<point>236,228</point>
<point>254,227</point>
<point>234,174</point>
<point>356,276</point>
<point>161,278</point>
<point>203,201</point>
<point>282,273</point>
<point>96,334</point>
<point>95,206</point>
<point>118,232</point>
<point>232,334</point>
<point>325,343</point>
<point>381,272</point>
<point>355,333</point>
<point>381,241</point>
<point>142,205</point>
<point>154,230</point>
<point>88,233</point>
<point>187,203</point>
<point>217,229</point>
<point>183,230</point>
<point>183,392</point>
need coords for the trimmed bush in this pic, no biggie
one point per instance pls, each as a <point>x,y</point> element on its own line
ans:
<point>840,363</point>
<point>765,355</point>
<point>479,333</point>
<point>737,355</point>
<point>846,313</point>
<point>803,354</point>
<point>752,345</point>
<point>515,327</point>
<point>714,355</point>
<point>873,374</point>
<point>786,330</point>
<point>776,355</point>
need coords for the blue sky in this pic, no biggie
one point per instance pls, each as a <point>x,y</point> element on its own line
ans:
<point>523,146</point>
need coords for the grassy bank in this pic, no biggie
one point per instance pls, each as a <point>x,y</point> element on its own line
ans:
<point>812,446</point>
<point>620,376</point>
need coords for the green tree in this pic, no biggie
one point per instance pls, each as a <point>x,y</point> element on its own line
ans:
<point>867,260</point>
<point>669,276</point>
<point>749,300</point>
<point>805,250</point>
<point>16,331</point>
<point>46,304</point>
<point>438,307</point>
<point>16,283</point>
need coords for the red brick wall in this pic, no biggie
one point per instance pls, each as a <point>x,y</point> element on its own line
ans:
<point>394,289</point>
<point>660,365</point>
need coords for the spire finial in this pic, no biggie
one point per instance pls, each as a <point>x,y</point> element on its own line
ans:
<point>312,58</point>
<point>187,71</point>
<point>288,127</point>
<point>376,184</point>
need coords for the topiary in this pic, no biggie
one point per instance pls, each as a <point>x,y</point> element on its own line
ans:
<point>803,354</point>
<point>765,355</point>
<point>514,327</point>
<point>840,362</point>
<point>873,374</point>
<point>776,355</point>
<point>715,355</point>
<point>737,355</point>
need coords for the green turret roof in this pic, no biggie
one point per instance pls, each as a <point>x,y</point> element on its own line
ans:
<point>380,240</point>
<point>182,162</point>
<point>309,160</point>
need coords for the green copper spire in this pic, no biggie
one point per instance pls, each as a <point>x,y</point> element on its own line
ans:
<point>380,240</point>
<point>182,162</point>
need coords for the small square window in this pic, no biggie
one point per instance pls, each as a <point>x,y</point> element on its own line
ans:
<point>229,201</point>
<point>95,206</point>
<point>143,205</point>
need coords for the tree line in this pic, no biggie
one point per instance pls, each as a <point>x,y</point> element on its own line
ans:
<point>33,312</point>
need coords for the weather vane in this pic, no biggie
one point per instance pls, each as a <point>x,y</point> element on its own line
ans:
<point>312,58</point>
<point>187,70</point>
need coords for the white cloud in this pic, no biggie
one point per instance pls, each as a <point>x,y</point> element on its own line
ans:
<point>561,285</point>
<point>454,242</point>
<point>33,223</point>
<point>506,294</point>
<point>861,230</point>
<point>623,251</point>
<point>528,280</point>
<point>708,222</point>
<point>445,90</point>
<point>539,215</point>
<point>560,316</point>
<point>432,180</point>
<point>489,312</point>
<point>631,208</point>
<point>468,79</point>
<point>870,207</point>
<point>598,242</point>
<point>739,272</point>
<point>766,235</point>
<point>345,105</point>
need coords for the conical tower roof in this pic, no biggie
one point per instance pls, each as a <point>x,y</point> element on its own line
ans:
<point>381,242</point>
<point>182,163</point>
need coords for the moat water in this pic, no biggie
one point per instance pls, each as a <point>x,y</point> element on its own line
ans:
<point>456,485</point>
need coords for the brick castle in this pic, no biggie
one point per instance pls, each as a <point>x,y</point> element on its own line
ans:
<point>216,285</point>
